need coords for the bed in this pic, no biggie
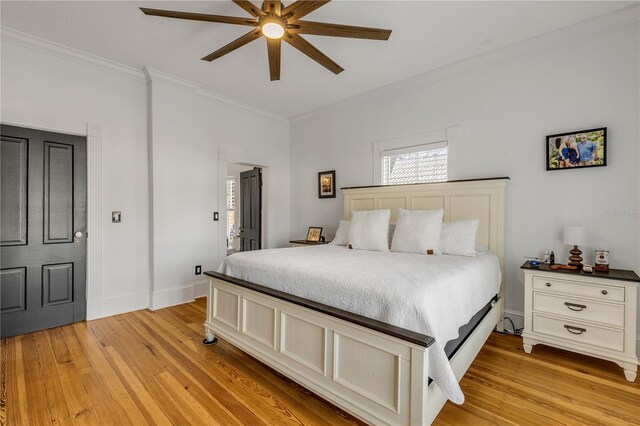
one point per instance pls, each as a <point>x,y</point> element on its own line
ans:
<point>370,342</point>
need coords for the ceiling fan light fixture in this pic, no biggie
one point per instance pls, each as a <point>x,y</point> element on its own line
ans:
<point>272,29</point>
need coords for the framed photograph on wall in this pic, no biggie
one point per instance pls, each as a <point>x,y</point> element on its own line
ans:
<point>327,184</point>
<point>576,150</point>
<point>314,233</point>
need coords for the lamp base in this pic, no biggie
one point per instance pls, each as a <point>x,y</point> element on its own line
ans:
<point>575,259</point>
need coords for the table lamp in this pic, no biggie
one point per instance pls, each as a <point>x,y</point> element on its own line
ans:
<point>575,236</point>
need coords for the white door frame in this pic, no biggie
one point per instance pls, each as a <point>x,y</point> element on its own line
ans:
<point>225,157</point>
<point>93,133</point>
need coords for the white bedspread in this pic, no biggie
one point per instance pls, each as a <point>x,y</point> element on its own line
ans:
<point>432,295</point>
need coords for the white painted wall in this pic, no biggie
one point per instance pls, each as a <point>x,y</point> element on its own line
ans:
<point>504,111</point>
<point>40,83</point>
<point>189,130</point>
<point>161,145</point>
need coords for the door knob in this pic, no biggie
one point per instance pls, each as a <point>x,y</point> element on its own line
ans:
<point>77,236</point>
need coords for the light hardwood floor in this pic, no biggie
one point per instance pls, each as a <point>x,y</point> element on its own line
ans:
<point>151,368</point>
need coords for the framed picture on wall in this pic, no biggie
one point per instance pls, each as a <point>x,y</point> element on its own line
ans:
<point>575,150</point>
<point>327,184</point>
<point>314,233</point>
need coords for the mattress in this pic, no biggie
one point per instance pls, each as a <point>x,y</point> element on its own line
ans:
<point>432,295</point>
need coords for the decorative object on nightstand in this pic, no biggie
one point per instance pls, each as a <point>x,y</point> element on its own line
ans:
<point>575,236</point>
<point>602,260</point>
<point>592,314</point>
<point>314,233</point>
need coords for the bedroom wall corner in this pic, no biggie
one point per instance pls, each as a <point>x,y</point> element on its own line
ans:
<point>189,128</point>
<point>503,109</point>
<point>45,79</point>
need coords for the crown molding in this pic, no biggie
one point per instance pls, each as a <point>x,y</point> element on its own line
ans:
<point>147,74</point>
<point>183,83</point>
<point>157,75</point>
<point>229,101</point>
<point>618,19</point>
<point>29,41</point>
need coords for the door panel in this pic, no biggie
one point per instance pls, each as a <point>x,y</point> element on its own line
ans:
<point>57,284</point>
<point>42,283</point>
<point>58,193</point>
<point>251,217</point>
<point>14,289</point>
<point>13,155</point>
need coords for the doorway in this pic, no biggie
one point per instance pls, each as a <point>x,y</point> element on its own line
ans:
<point>42,229</point>
<point>244,208</point>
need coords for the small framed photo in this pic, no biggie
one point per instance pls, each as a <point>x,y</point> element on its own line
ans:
<point>327,184</point>
<point>576,150</point>
<point>314,234</point>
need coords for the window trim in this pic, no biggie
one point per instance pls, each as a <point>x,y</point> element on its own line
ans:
<point>448,137</point>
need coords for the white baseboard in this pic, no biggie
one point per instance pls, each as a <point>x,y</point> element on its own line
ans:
<point>177,295</point>
<point>200,289</point>
<point>122,304</point>
<point>518,319</point>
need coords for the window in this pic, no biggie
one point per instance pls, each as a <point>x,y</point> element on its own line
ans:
<point>416,164</point>
<point>232,227</point>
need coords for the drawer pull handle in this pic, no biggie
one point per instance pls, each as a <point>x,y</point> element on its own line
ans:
<point>605,292</point>
<point>575,330</point>
<point>548,284</point>
<point>575,307</point>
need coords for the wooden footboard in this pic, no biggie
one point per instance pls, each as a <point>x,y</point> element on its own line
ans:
<point>375,371</point>
<point>380,378</point>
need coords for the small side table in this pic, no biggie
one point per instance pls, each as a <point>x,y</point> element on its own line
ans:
<point>592,314</point>
<point>301,243</point>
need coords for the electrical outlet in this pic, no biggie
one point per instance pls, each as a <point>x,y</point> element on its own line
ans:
<point>198,269</point>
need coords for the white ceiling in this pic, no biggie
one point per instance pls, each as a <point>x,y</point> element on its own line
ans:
<point>426,35</point>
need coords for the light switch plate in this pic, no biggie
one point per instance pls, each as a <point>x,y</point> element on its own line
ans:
<point>216,216</point>
<point>116,217</point>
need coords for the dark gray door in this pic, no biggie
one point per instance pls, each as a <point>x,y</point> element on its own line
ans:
<point>251,210</point>
<point>42,229</point>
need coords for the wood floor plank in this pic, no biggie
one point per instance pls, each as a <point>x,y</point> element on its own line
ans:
<point>152,361</point>
<point>150,367</point>
<point>304,402</point>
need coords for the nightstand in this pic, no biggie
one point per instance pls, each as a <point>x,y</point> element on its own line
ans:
<point>300,243</point>
<point>592,314</point>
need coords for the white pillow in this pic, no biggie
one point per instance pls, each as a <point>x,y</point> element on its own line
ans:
<point>417,231</point>
<point>369,230</point>
<point>342,234</point>
<point>459,238</point>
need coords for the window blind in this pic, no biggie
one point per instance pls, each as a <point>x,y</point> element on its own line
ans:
<point>418,164</point>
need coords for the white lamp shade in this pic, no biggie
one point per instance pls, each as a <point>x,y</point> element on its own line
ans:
<point>574,235</point>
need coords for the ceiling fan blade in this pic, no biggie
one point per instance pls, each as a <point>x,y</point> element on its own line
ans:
<point>239,42</point>
<point>251,8</point>
<point>300,8</point>
<point>337,30</point>
<point>271,6</point>
<point>307,48</point>
<point>200,17</point>
<point>273,49</point>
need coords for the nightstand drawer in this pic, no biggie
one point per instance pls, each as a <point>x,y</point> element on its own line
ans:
<point>581,289</point>
<point>588,310</point>
<point>576,331</point>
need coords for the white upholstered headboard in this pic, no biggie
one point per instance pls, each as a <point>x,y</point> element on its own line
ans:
<point>481,199</point>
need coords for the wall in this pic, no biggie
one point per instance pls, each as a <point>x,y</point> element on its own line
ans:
<point>162,140</point>
<point>41,83</point>
<point>504,110</point>
<point>189,132</point>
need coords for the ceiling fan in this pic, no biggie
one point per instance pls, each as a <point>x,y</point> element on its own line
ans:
<point>277,22</point>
